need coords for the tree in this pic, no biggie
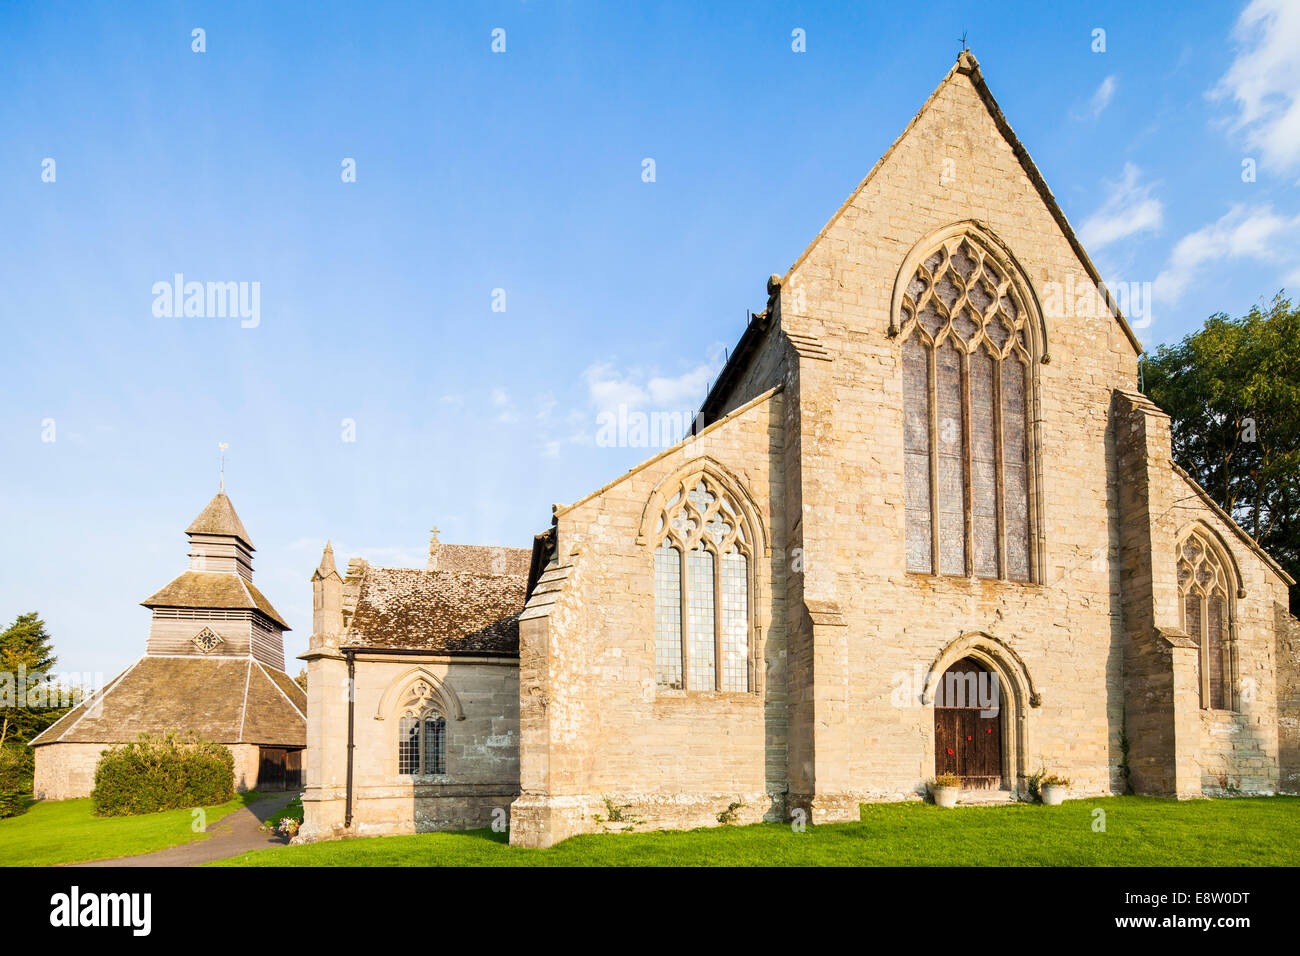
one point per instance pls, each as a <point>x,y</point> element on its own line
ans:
<point>26,659</point>
<point>1232,390</point>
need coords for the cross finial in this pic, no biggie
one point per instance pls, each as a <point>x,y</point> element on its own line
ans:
<point>222,474</point>
<point>964,47</point>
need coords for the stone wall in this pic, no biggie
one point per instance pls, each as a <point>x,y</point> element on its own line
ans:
<point>594,723</point>
<point>482,761</point>
<point>1064,631</point>
<point>1238,750</point>
<point>1090,646</point>
<point>67,771</point>
<point>1287,629</point>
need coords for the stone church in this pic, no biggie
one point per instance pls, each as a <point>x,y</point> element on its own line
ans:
<point>213,664</point>
<point>924,525</point>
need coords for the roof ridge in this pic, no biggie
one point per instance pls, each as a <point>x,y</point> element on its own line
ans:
<point>276,684</point>
<point>243,708</point>
<point>85,706</point>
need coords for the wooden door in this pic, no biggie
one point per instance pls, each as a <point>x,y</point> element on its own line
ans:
<point>968,739</point>
<point>293,770</point>
<point>270,773</point>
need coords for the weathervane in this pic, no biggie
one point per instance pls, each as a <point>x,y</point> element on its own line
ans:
<point>223,446</point>
<point>964,47</point>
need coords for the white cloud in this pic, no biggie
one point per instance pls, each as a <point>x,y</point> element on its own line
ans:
<point>505,407</point>
<point>1101,99</point>
<point>1129,208</point>
<point>1264,80</point>
<point>608,387</point>
<point>545,404</point>
<point>1241,233</point>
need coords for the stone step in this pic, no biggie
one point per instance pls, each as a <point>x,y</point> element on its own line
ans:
<point>980,798</point>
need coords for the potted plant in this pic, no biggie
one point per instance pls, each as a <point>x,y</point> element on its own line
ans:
<point>1052,789</point>
<point>946,788</point>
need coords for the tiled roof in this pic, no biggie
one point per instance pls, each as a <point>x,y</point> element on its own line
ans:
<point>482,559</point>
<point>450,612</point>
<point>228,700</point>
<point>214,589</point>
<point>219,518</point>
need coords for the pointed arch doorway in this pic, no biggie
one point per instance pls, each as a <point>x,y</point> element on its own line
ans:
<point>968,738</point>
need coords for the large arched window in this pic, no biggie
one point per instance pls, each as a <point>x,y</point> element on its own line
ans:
<point>967,367</point>
<point>421,733</point>
<point>702,590</point>
<point>1204,592</point>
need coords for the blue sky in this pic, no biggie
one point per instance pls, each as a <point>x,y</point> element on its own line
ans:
<point>519,171</point>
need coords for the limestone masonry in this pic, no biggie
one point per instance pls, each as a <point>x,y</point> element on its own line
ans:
<point>924,525</point>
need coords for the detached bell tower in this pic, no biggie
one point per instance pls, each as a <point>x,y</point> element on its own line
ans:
<point>213,609</point>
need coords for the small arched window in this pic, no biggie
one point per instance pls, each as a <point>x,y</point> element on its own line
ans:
<point>702,591</point>
<point>1204,592</point>
<point>967,366</point>
<point>421,734</point>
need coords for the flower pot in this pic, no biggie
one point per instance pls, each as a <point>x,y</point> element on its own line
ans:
<point>946,796</point>
<point>1052,794</point>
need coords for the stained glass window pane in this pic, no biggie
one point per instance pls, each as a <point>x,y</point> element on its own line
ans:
<point>916,455</point>
<point>701,622</point>
<point>408,745</point>
<point>1192,616</point>
<point>435,745</point>
<point>984,478</point>
<point>735,622</point>
<point>952,462</point>
<point>1216,647</point>
<point>668,617</point>
<point>1015,472</point>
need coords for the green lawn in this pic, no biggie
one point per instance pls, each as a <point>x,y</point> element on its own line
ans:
<point>1140,831</point>
<point>65,831</point>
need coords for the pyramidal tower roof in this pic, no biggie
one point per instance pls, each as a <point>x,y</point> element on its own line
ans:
<point>219,517</point>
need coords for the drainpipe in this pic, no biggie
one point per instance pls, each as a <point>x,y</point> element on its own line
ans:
<point>352,695</point>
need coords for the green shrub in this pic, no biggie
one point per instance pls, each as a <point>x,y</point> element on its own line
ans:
<point>162,773</point>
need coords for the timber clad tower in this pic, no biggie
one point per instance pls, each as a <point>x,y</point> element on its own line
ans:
<point>213,665</point>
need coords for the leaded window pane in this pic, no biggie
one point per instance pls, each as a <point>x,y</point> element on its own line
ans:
<point>668,617</point>
<point>984,476</point>
<point>952,461</point>
<point>408,745</point>
<point>700,617</point>
<point>916,454</point>
<point>1216,648</point>
<point>435,745</point>
<point>1192,616</point>
<point>735,622</point>
<point>1015,470</point>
